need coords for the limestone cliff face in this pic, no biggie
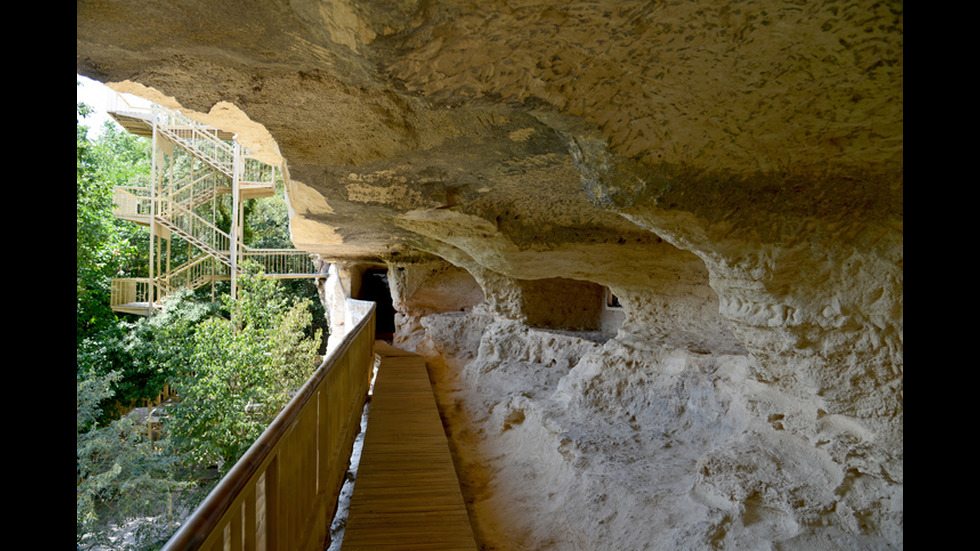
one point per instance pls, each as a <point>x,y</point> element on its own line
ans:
<point>731,173</point>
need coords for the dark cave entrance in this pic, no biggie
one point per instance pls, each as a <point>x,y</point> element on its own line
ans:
<point>374,287</point>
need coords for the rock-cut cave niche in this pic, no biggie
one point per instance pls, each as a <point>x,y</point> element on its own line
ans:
<point>570,305</point>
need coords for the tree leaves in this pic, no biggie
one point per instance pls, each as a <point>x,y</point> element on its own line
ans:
<point>233,375</point>
<point>105,246</point>
<point>120,472</point>
<point>242,373</point>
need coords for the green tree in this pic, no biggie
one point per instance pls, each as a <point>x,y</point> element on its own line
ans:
<point>146,354</point>
<point>267,222</point>
<point>243,372</point>
<point>121,473</point>
<point>105,247</point>
<point>233,374</point>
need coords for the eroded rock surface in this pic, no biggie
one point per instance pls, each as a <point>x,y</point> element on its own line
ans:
<point>731,173</point>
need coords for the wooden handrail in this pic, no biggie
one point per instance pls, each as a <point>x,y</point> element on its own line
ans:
<point>282,493</point>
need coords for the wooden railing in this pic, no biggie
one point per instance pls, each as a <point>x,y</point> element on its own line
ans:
<point>281,495</point>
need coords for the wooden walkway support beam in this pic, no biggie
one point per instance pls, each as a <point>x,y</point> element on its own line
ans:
<point>406,494</point>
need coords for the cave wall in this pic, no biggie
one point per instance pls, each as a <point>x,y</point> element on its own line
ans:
<point>733,173</point>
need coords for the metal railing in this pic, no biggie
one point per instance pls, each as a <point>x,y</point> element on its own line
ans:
<point>188,224</point>
<point>281,495</point>
<point>129,290</point>
<point>198,139</point>
<point>255,171</point>
<point>200,232</point>
<point>196,272</point>
<point>131,201</point>
<point>194,193</point>
<point>281,263</point>
<point>205,143</point>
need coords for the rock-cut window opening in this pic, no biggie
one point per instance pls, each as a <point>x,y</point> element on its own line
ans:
<point>612,301</point>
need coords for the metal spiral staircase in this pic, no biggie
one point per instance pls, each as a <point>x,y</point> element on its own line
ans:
<point>193,167</point>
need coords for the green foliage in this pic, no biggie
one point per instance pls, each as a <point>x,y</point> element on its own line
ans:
<point>264,220</point>
<point>105,247</point>
<point>146,354</point>
<point>242,373</point>
<point>233,375</point>
<point>267,228</point>
<point>120,473</point>
<point>90,392</point>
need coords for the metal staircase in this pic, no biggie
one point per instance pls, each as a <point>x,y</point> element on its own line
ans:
<point>203,143</point>
<point>197,231</point>
<point>194,166</point>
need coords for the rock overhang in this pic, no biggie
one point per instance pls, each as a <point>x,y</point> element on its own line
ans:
<point>750,116</point>
<point>757,148</point>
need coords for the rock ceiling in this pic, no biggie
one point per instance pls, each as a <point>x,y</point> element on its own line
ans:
<point>542,124</point>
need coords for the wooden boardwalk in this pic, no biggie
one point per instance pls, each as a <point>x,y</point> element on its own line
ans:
<point>406,494</point>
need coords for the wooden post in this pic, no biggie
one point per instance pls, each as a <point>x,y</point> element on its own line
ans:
<point>273,505</point>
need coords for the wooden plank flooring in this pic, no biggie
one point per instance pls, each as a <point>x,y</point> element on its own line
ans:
<point>406,494</point>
